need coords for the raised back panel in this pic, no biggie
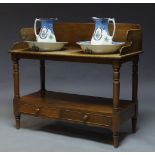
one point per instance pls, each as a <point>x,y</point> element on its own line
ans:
<point>73,32</point>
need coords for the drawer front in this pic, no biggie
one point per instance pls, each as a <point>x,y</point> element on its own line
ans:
<point>87,118</point>
<point>100,120</point>
<point>50,112</point>
<point>27,109</point>
<point>72,115</point>
<point>45,111</point>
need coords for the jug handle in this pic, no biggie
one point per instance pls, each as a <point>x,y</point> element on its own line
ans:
<point>113,21</point>
<point>35,24</point>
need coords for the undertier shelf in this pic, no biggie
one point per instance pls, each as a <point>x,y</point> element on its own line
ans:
<point>95,111</point>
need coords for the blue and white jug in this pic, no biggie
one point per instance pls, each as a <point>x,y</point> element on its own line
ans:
<point>46,33</point>
<point>101,33</point>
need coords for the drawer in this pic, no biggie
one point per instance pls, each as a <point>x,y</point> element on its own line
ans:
<point>86,117</point>
<point>27,109</point>
<point>49,112</point>
<point>36,110</point>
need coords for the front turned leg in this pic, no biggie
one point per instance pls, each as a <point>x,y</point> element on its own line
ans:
<point>16,91</point>
<point>135,93</point>
<point>16,113</point>
<point>116,106</point>
<point>17,121</point>
<point>116,139</point>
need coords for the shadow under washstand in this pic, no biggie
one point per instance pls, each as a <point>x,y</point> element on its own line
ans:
<point>81,131</point>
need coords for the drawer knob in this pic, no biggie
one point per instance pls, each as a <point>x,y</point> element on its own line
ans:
<point>85,117</point>
<point>37,110</point>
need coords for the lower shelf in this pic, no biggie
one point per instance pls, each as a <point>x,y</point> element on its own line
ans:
<point>88,110</point>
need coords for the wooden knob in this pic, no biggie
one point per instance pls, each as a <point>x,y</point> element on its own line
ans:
<point>37,110</point>
<point>85,117</point>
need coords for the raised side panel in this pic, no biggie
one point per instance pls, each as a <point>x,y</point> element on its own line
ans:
<point>134,36</point>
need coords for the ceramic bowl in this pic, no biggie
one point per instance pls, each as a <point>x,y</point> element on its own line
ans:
<point>45,46</point>
<point>106,48</point>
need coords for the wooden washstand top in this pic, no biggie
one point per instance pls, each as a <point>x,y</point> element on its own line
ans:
<point>73,32</point>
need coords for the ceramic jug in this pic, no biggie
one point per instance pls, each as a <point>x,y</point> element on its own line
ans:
<point>101,33</point>
<point>46,33</point>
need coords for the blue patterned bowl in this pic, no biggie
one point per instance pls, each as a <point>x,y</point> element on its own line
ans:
<point>45,46</point>
<point>105,48</point>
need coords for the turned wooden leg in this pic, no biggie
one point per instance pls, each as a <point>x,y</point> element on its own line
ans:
<point>116,139</point>
<point>16,91</point>
<point>42,77</point>
<point>17,121</point>
<point>135,92</point>
<point>116,105</point>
